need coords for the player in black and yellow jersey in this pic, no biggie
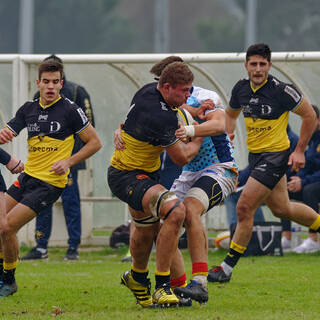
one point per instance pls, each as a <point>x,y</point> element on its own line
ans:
<point>133,177</point>
<point>51,122</point>
<point>265,102</point>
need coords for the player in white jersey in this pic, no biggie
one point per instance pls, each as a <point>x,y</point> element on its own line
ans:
<point>204,182</point>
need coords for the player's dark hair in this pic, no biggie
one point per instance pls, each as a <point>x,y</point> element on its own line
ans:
<point>259,49</point>
<point>176,73</point>
<point>54,58</point>
<point>50,66</point>
<point>159,66</point>
<point>316,110</point>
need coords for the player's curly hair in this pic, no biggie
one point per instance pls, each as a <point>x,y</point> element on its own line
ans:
<point>259,49</point>
<point>159,66</point>
<point>176,73</point>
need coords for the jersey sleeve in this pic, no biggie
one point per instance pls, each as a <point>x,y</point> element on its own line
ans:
<point>4,157</point>
<point>78,119</point>
<point>234,103</point>
<point>290,97</point>
<point>18,123</point>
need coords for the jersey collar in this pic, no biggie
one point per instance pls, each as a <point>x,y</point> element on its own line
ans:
<point>256,89</point>
<point>49,105</point>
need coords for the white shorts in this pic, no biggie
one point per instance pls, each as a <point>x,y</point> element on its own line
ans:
<point>223,173</point>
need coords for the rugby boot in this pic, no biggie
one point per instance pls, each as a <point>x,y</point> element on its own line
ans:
<point>141,291</point>
<point>8,289</point>
<point>164,296</point>
<point>216,274</point>
<point>184,301</point>
<point>35,254</point>
<point>193,290</point>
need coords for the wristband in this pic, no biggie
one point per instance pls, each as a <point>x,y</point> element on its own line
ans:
<point>190,131</point>
<point>16,166</point>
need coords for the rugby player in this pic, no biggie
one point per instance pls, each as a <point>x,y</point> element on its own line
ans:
<point>265,102</point>
<point>204,183</point>
<point>210,175</point>
<point>149,129</point>
<point>51,122</point>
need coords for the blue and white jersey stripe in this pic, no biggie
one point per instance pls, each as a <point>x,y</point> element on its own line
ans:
<point>215,149</point>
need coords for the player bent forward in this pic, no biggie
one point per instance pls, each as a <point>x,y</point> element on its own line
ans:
<point>149,129</point>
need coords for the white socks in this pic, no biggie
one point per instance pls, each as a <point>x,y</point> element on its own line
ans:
<point>226,268</point>
<point>201,279</point>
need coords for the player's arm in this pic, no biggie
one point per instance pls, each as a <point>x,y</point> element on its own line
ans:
<point>14,165</point>
<point>6,135</point>
<point>14,126</point>
<point>201,111</point>
<point>308,117</point>
<point>214,125</point>
<point>181,153</point>
<point>231,119</point>
<point>92,144</point>
<point>117,138</point>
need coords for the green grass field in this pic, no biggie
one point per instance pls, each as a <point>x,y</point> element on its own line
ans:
<point>261,288</point>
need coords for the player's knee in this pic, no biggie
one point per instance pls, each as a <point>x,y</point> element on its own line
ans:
<point>162,203</point>
<point>190,218</point>
<point>244,212</point>
<point>174,212</point>
<point>279,213</point>
<point>7,233</point>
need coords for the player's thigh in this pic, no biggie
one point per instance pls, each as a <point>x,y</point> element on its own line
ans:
<point>278,200</point>
<point>131,186</point>
<point>18,216</point>
<point>252,196</point>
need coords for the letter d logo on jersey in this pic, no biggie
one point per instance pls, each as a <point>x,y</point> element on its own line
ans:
<point>82,115</point>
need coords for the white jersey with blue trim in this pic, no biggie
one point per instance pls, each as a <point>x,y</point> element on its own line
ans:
<point>214,149</point>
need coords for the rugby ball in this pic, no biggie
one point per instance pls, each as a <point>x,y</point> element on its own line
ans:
<point>222,240</point>
<point>185,117</point>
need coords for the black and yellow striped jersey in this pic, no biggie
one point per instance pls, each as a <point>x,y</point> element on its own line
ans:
<point>149,128</point>
<point>266,112</point>
<point>51,132</point>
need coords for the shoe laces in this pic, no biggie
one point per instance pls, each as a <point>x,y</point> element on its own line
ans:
<point>167,288</point>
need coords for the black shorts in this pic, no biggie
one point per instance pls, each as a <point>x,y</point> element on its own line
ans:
<point>130,186</point>
<point>34,193</point>
<point>269,167</point>
<point>3,187</point>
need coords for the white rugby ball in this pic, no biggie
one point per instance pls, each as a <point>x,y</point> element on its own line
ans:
<point>185,117</point>
<point>222,240</point>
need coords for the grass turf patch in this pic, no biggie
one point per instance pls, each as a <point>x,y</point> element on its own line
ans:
<point>261,288</point>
